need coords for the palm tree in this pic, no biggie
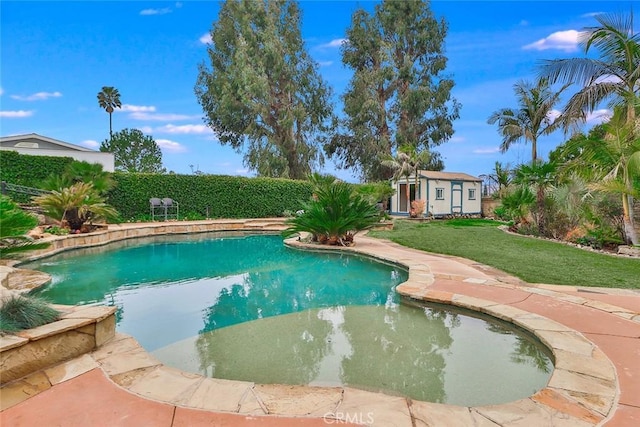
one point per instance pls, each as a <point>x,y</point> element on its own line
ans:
<point>532,119</point>
<point>109,99</point>
<point>611,162</point>
<point>615,75</point>
<point>502,176</point>
<point>540,176</point>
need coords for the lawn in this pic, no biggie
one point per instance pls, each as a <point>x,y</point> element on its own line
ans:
<point>532,260</point>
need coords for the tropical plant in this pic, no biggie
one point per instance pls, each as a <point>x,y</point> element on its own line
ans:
<point>134,151</point>
<point>609,159</point>
<point>540,176</point>
<point>614,76</point>
<point>14,224</point>
<point>109,99</point>
<point>517,203</point>
<point>334,215</point>
<point>18,312</point>
<point>399,93</point>
<point>81,171</point>
<point>75,205</point>
<point>533,117</point>
<point>263,92</point>
<point>377,192</point>
<point>502,176</point>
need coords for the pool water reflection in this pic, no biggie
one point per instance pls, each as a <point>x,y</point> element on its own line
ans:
<point>248,308</point>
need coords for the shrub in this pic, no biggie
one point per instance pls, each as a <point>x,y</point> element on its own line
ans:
<point>25,312</point>
<point>76,205</point>
<point>14,223</point>
<point>334,214</point>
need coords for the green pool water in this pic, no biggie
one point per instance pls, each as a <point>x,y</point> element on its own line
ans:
<point>249,308</point>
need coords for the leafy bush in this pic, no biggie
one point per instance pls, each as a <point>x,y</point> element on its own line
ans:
<point>14,223</point>
<point>25,312</point>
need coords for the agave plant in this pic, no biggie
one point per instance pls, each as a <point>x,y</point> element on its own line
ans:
<point>334,215</point>
<point>76,205</point>
<point>14,223</point>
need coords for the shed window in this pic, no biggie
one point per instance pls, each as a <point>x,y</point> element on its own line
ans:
<point>472,194</point>
<point>439,193</point>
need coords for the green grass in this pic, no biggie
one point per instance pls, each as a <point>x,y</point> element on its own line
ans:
<point>532,260</point>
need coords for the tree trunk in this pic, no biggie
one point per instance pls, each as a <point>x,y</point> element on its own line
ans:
<point>627,218</point>
<point>540,208</point>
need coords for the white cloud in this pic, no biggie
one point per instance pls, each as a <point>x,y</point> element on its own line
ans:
<point>128,108</point>
<point>146,129</point>
<point>171,146</point>
<point>38,96</point>
<point>242,171</point>
<point>456,139</point>
<point>553,114</point>
<point>1,91</point>
<point>148,12</point>
<point>178,5</point>
<point>205,38</point>
<point>16,114</point>
<point>489,150</point>
<point>590,14</point>
<point>566,41</point>
<point>524,23</point>
<point>335,43</point>
<point>90,143</point>
<point>160,117</point>
<point>184,129</point>
<point>599,116</point>
<point>325,63</point>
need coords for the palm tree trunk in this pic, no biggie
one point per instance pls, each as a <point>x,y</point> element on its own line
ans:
<point>627,219</point>
<point>110,128</point>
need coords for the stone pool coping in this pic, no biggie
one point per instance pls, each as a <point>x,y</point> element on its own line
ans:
<point>584,388</point>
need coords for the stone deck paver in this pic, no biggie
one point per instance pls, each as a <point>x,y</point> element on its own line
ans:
<point>594,334</point>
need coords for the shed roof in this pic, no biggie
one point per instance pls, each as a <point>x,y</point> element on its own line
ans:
<point>449,176</point>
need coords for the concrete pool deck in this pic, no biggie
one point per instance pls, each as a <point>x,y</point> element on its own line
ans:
<point>594,334</point>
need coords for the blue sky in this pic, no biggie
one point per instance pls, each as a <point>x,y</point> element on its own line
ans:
<point>56,56</point>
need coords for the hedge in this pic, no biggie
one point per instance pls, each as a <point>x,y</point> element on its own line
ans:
<point>29,170</point>
<point>203,196</point>
<point>208,196</point>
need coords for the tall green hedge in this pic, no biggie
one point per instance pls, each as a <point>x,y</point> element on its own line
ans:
<point>28,170</point>
<point>212,196</point>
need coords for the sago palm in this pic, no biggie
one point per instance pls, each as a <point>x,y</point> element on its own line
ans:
<point>75,205</point>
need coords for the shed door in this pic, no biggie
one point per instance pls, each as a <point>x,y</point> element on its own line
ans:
<point>456,197</point>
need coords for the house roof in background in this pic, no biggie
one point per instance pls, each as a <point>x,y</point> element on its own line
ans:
<point>32,136</point>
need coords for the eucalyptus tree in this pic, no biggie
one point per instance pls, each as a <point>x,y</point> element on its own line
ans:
<point>262,93</point>
<point>613,76</point>
<point>109,99</point>
<point>399,93</point>
<point>533,118</point>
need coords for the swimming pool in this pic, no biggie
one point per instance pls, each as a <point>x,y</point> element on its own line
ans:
<point>249,308</point>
